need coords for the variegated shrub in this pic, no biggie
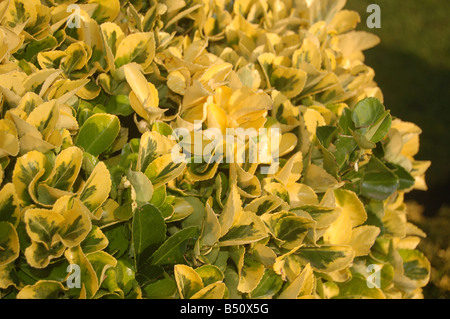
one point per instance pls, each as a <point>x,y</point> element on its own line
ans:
<point>92,95</point>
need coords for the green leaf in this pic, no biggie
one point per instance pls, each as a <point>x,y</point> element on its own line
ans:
<point>110,283</point>
<point>56,271</point>
<point>118,240</point>
<point>98,133</point>
<point>357,288</point>
<point>378,181</point>
<point>149,232</point>
<point>197,217</point>
<point>346,123</point>
<point>345,145</point>
<point>148,274</point>
<point>371,119</point>
<point>362,141</point>
<point>175,247</point>
<point>159,196</point>
<point>162,128</point>
<point>269,285</point>
<point>119,105</point>
<point>181,210</point>
<point>325,134</point>
<point>161,289</point>
<point>37,46</point>
<point>125,275</point>
<point>232,281</point>
<point>405,180</point>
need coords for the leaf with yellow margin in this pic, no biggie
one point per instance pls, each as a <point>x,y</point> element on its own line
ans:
<point>9,243</point>
<point>97,187</point>
<point>88,276</point>
<point>43,289</point>
<point>9,205</point>
<point>188,281</point>
<point>27,167</point>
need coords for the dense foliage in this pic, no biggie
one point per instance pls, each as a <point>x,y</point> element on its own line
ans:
<point>91,98</point>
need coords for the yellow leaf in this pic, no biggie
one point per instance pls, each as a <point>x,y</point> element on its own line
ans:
<point>302,195</point>
<point>9,142</point>
<point>351,205</point>
<point>292,170</point>
<point>106,10</point>
<point>231,210</point>
<point>303,285</point>
<point>363,238</point>
<point>212,291</point>
<point>97,187</point>
<point>319,180</point>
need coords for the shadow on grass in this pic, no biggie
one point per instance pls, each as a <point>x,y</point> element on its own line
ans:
<point>416,92</point>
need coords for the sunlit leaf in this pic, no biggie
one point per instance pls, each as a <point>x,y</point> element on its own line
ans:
<point>98,133</point>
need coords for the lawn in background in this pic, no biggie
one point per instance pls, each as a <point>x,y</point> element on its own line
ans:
<point>412,67</point>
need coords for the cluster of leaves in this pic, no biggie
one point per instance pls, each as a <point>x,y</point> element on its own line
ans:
<point>86,151</point>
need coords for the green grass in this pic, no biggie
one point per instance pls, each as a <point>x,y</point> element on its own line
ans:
<point>420,27</point>
<point>412,67</point>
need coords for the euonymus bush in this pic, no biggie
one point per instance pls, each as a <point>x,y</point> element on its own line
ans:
<point>93,203</point>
